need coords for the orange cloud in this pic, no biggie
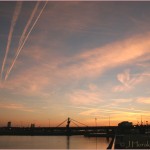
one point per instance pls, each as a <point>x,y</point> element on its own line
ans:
<point>94,62</point>
<point>143,100</point>
<point>15,106</point>
<point>115,115</point>
<point>91,112</point>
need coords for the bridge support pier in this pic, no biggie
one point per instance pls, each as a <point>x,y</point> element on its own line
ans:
<point>68,131</point>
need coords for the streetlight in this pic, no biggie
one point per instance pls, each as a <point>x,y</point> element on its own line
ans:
<point>96,131</point>
<point>49,122</point>
<point>109,120</point>
<point>96,122</point>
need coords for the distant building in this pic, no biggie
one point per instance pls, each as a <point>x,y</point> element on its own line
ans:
<point>9,124</point>
<point>125,124</point>
<point>32,125</point>
<point>125,127</point>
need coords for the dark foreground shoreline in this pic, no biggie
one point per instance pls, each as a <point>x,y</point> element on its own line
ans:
<point>132,141</point>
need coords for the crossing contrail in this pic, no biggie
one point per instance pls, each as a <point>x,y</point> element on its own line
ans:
<point>13,23</point>
<point>28,24</point>
<point>18,52</point>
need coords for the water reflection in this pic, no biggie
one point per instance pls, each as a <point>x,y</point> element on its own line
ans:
<point>96,142</point>
<point>107,139</point>
<point>53,142</point>
<point>68,142</point>
<point>81,142</point>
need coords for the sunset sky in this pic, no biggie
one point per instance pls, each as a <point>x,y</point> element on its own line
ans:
<point>82,60</point>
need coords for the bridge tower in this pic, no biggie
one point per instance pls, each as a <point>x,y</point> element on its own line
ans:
<point>68,126</point>
<point>68,123</point>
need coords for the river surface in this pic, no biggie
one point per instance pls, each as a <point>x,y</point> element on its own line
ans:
<point>53,142</point>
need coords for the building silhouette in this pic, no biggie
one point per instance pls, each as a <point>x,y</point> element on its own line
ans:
<point>9,124</point>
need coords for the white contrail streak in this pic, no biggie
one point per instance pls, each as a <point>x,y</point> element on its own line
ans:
<point>28,24</point>
<point>8,71</point>
<point>13,23</point>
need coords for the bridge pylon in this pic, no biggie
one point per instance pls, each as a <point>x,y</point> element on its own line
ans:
<point>68,131</point>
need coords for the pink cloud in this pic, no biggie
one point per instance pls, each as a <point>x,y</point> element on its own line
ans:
<point>94,62</point>
<point>124,78</point>
<point>83,97</point>
<point>27,83</point>
<point>128,81</point>
<point>89,64</point>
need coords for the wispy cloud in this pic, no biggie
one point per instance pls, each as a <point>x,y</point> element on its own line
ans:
<point>15,106</point>
<point>84,97</point>
<point>73,45</point>
<point>116,113</point>
<point>94,62</point>
<point>143,100</point>
<point>111,110</point>
<point>13,23</point>
<point>127,80</point>
<point>91,112</point>
<point>120,101</point>
<point>124,109</point>
<point>28,85</point>
<point>90,64</point>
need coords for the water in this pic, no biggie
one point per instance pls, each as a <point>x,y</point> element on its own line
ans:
<point>53,142</point>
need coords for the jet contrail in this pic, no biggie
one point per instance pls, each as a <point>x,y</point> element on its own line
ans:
<point>9,70</point>
<point>13,23</point>
<point>28,24</point>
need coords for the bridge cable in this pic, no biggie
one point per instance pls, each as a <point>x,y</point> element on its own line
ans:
<point>62,123</point>
<point>74,123</point>
<point>79,122</point>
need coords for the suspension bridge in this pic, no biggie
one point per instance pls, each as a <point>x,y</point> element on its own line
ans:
<point>78,128</point>
<point>64,128</point>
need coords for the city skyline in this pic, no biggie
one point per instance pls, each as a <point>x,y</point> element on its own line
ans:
<point>82,60</point>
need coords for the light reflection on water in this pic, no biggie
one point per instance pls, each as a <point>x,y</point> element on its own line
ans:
<point>53,142</point>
